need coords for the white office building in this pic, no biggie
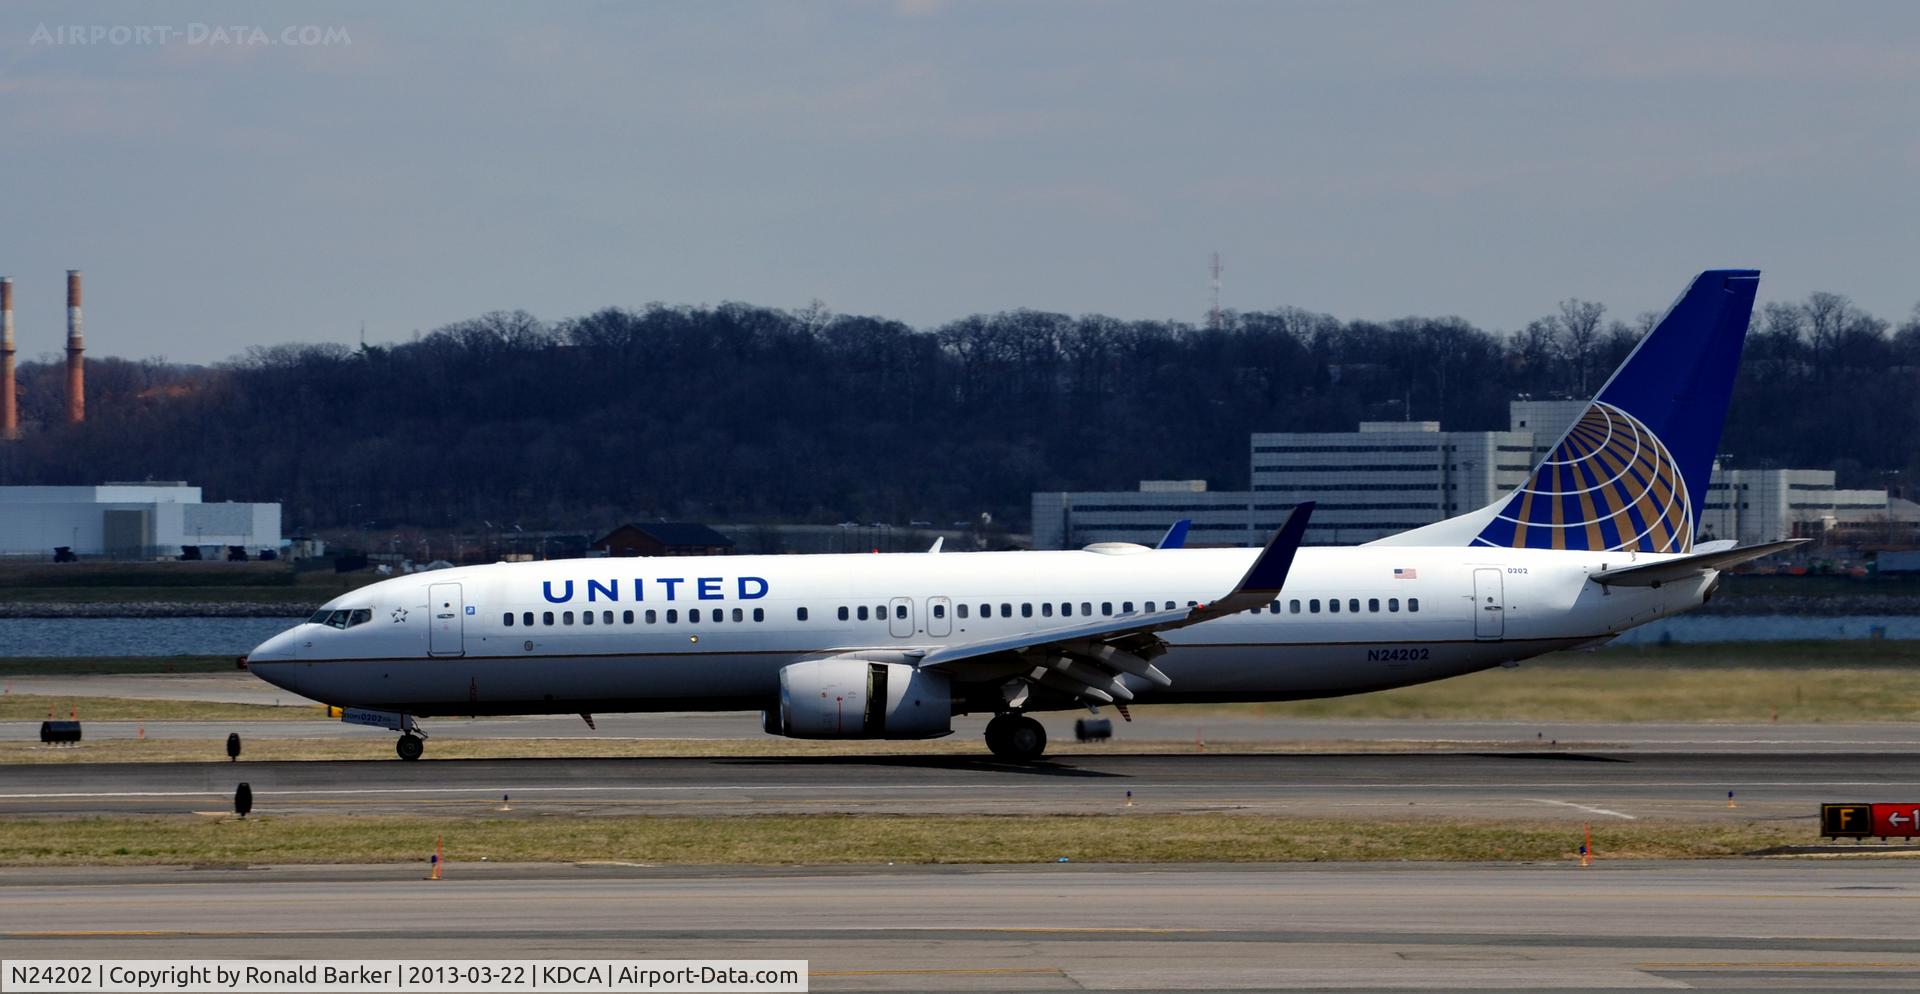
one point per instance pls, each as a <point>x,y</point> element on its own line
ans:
<point>131,521</point>
<point>1390,476</point>
<point>1762,505</point>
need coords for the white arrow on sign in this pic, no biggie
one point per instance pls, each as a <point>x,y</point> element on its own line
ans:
<point>1896,819</point>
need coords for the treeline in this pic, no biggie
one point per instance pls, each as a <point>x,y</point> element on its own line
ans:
<point>740,413</point>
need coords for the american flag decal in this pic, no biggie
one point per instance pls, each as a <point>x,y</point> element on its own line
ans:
<point>1406,574</point>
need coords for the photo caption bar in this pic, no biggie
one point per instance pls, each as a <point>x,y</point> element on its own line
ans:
<point>355,976</point>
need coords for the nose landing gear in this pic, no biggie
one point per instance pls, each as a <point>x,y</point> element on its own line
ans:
<point>1016,737</point>
<point>410,746</point>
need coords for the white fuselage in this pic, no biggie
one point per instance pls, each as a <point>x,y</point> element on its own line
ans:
<point>458,641</point>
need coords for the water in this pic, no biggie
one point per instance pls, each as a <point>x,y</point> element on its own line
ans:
<point>235,636</point>
<point>137,636</point>
<point>1772,627</point>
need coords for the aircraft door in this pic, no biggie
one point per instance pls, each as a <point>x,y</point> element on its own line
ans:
<point>939,617</point>
<point>900,617</point>
<point>1489,605</point>
<point>446,620</point>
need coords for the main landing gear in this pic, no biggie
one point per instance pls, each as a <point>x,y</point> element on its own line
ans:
<point>1016,737</point>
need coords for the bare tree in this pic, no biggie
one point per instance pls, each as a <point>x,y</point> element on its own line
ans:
<point>1579,327</point>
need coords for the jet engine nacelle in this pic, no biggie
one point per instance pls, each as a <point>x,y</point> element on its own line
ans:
<point>861,699</point>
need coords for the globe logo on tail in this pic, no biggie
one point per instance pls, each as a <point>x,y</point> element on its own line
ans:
<point>1609,485</point>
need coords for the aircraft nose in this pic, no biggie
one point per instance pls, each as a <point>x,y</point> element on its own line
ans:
<point>278,648</point>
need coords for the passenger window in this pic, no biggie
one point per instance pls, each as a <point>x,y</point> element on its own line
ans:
<point>960,610</point>
<point>759,614</point>
<point>507,619</point>
<point>900,611</point>
<point>1086,609</point>
<point>739,615</point>
<point>843,613</point>
<point>1413,603</point>
<point>626,617</point>
<point>652,617</point>
<point>1393,605</point>
<point>586,617</point>
<point>693,615</point>
<point>1294,606</point>
<point>1169,605</point>
<point>672,616</point>
<point>1373,604</point>
<point>1126,607</point>
<point>1273,608</point>
<point>1333,605</point>
<point>1353,604</point>
<point>1006,610</point>
<point>1106,609</point>
<point>1313,606</point>
<point>546,617</point>
<point>1046,609</point>
<point>1026,610</point>
<point>1066,610</point>
<point>799,614</point>
<point>606,617</point>
<point>566,617</point>
<point>526,618</point>
<point>939,610</point>
<point>862,612</point>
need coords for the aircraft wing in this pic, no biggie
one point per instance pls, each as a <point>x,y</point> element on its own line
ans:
<point>1087,660</point>
<point>1685,567</point>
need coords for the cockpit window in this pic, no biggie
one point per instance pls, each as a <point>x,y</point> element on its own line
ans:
<point>342,618</point>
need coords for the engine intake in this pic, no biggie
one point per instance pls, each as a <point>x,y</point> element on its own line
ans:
<point>861,699</point>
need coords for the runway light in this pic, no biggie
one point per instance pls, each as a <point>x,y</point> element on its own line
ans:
<point>233,747</point>
<point>243,800</point>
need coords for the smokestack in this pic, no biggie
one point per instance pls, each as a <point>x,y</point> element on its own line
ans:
<point>76,345</point>
<point>9,400</point>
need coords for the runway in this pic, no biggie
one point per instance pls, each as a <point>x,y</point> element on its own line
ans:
<point>1530,785</point>
<point>1746,925</point>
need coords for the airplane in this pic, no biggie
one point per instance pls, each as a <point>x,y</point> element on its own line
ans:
<point>1599,539</point>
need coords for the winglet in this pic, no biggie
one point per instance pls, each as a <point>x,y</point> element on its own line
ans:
<point>1176,536</point>
<point>1269,571</point>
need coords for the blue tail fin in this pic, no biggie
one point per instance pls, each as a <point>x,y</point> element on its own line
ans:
<point>1632,472</point>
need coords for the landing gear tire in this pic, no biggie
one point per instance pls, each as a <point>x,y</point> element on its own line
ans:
<point>410,747</point>
<point>1016,737</point>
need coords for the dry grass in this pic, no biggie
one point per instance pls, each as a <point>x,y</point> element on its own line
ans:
<point>843,839</point>
<point>1545,692</point>
<point>34,707</point>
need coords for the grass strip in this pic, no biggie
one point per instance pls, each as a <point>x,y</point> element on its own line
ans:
<point>843,839</point>
<point>1544,692</point>
<point>113,665</point>
<point>35,707</point>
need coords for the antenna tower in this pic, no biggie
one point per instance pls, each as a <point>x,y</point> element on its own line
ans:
<point>1213,313</point>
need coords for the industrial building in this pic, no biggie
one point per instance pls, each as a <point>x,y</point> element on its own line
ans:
<point>132,521</point>
<point>1391,476</point>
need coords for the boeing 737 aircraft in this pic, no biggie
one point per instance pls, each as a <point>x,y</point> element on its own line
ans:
<point>1599,539</point>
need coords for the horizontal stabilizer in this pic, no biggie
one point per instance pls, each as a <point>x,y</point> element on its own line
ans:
<point>1686,567</point>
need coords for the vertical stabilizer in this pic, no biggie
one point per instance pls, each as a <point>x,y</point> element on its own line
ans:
<point>1632,471</point>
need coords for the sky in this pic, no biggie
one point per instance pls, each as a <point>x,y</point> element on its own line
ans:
<point>253,174</point>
